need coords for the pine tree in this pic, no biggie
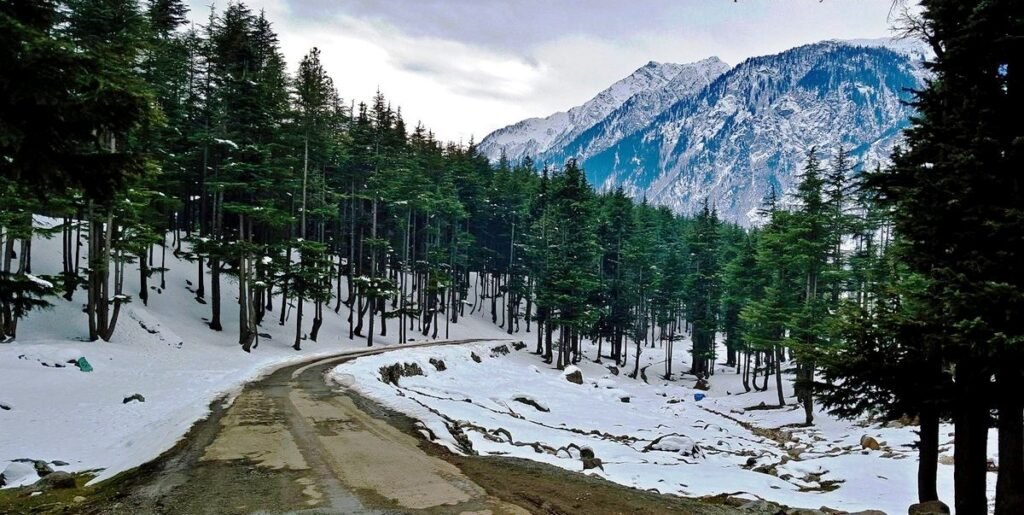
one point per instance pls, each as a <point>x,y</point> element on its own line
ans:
<point>704,290</point>
<point>957,206</point>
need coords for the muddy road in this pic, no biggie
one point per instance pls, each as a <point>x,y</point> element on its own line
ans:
<point>292,443</point>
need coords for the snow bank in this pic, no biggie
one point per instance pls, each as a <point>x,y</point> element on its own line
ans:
<point>660,440</point>
<point>52,411</point>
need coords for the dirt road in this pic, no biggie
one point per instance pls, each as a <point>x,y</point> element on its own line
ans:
<point>291,443</point>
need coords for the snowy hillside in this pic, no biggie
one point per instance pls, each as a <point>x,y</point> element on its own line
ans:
<point>50,410</point>
<point>730,135</point>
<point>651,434</point>
<point>658,83</point>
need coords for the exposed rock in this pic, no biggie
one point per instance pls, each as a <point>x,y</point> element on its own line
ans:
<point>438,364</point>
<point>42,468</point>
<point>945,459</point>
<point>135,397</point>
<point>78,499</point>
<point>5,407</point>
<point>702,384</point>
<point>530,402</point>
<point>867,442</point>
<point>57,481</point>
<point>574,376</point>
<point>624,399</point>
<point>928,508</point>
<point>474,356</point>
<point>586,453</point>
<point>518,345</point>
<point>613,369</point>
<point>463,441</point>
<point>592,463</point>
<point>500,350</point>
<point>59,463</point>
<point>392,373</point>
<point>762,507</point>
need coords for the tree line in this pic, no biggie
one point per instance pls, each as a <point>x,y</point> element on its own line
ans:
<point>891,291</point>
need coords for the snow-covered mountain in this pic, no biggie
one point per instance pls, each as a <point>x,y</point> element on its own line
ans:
<point>749,128</point>
<point>659,84</point>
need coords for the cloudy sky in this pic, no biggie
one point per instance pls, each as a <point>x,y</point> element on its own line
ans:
<point>467,67</point>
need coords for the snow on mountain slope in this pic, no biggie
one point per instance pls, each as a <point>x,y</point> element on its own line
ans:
<point>729,135</point>
<point>752,127</point>
<point>164,351</point>
<point>534,136</point>
<point>637,112</point>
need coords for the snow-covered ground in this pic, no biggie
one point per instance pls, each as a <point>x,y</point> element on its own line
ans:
<point>52,411</point>
<point>510,404</point>
<point>651,436</point>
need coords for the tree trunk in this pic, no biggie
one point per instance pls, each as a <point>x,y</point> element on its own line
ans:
<point>970,415</point>
<point>1010,483</point>
<point>928,453</point>
<point>778,375</point>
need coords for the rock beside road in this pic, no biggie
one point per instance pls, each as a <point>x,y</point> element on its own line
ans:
<point>929,508</point>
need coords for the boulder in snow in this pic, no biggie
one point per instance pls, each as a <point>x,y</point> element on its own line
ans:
<point>573,375</point>
<point>134,397</point>
<point>867,442</point>
<point>438,364</point>
<point>42,468</point>
<point>530,401</point>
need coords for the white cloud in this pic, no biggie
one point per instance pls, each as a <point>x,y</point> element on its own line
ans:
<point>454,68</point>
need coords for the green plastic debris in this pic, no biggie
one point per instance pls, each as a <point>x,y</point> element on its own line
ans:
<point>83,364</point>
